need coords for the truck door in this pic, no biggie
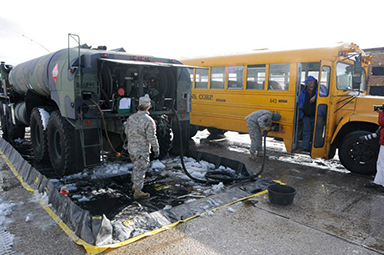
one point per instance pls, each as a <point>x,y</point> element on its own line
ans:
<point>319,146</point>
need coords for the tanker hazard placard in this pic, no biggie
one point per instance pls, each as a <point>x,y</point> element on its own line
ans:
<point>55,72</point>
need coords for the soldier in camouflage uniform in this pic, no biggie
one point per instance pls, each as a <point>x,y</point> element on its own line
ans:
<point>141,134</point>
<point>255,122</point>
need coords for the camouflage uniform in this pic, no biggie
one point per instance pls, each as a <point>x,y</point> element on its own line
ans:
<point>141,134</point>
<point>256,121</point>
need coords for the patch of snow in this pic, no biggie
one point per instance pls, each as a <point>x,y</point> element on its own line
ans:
<point>190,200</point>
<point>111,169</point>
<point>218,187</point>
<point>5,209</point>
<point>157,164</point>
<point>84,199</point>
<point>230,209</point>
<point>18,140</point>
<point>44,117</point>
<point>167,207</point>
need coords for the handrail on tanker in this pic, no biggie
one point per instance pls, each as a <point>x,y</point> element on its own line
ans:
<point>76,38</point>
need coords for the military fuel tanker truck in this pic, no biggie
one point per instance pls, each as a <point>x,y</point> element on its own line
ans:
<point>76,101</point>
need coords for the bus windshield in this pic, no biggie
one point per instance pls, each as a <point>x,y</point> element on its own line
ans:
<point>344,75</point>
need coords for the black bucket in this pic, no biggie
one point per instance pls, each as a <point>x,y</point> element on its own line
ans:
<point>281,194</point>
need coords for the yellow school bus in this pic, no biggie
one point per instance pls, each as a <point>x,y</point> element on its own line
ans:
<point>228,88</point>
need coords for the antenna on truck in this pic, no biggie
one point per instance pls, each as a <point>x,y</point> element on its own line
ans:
<point>36,43</point>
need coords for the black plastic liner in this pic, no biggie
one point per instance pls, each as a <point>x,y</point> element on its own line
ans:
<point>132,218</point>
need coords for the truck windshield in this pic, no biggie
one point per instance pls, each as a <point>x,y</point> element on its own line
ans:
<point>344,74</point>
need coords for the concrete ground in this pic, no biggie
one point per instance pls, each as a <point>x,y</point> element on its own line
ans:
<point>332,213</point>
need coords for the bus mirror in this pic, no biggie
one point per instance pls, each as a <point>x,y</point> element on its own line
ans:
<point>356,82</point>
<point>357,72</point>
<point>357,68</point>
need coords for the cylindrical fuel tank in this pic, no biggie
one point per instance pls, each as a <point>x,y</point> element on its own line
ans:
<point>21,113</point>
<point>34,74</point>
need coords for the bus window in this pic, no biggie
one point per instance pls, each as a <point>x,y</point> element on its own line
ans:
<point>235,77</point>
<point>255,77</point>
<point>217,77</point>
<point>325,79</point>
<point>201,78</point>
<point>278,77</point>
<point>343,76</point>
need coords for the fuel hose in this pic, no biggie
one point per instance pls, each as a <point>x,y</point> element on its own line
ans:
<point>215,177</point>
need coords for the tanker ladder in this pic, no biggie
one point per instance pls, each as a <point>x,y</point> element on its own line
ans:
<point>98,142</point>
<point>90,142</point>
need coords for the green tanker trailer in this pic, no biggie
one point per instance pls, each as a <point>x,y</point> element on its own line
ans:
<point>76,102</point>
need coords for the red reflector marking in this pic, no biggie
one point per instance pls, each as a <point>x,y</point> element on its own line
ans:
<point>89,122</point>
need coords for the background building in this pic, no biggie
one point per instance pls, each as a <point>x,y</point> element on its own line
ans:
<point>376,71</point>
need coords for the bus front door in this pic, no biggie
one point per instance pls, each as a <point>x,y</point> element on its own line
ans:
<point>319,146</point>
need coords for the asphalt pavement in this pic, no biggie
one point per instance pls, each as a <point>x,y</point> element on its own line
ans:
<point>332,213</point>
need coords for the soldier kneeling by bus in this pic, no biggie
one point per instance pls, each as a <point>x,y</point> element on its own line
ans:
<point>141,135</point>
<point>255,122</point>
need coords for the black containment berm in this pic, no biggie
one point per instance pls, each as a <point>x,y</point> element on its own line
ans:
<point>281,194</point>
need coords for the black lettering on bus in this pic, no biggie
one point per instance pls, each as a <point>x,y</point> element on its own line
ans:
<point>273,100</point>
<point>205,96</point>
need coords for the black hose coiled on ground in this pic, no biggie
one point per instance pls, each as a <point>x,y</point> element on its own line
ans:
<point>217,176</point>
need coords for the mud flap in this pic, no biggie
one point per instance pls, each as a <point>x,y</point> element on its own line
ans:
<point>98,233</point>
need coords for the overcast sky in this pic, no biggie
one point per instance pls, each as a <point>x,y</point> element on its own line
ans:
<point>181,29</point>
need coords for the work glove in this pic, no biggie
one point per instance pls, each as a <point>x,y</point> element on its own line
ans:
<point>156,154</point>
<point>125,146</point>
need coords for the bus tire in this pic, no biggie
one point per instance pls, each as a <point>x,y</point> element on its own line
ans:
<point>38,136</point>
<point>61,144</point>
<point>193,130</point>
<point>359,156</point>
<point>215,131</point>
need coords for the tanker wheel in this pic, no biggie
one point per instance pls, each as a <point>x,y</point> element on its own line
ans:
<point>4,127</point>
<point>11,131</point>
<point>61,144</point>
<point>39,136</point>
<point>359,156</point>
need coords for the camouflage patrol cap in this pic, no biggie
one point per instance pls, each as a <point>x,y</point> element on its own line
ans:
<point>145,101</point>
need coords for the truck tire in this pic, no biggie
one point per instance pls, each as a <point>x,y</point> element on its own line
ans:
<point>11,131</point>
<point>39,136</point>
<point>4,127</point>
<point>359,156</point>
<point>61,144</point>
